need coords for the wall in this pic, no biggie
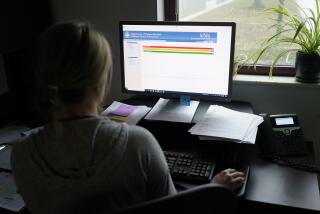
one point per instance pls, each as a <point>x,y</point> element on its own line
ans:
<point>21,23</point>
<point>105,15</point>
<point>3,77</point>
<point>284,98</point>
<point>268,98</point>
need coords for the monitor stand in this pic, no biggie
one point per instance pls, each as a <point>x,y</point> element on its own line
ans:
<point>180,104</point>
<point>172,110</point>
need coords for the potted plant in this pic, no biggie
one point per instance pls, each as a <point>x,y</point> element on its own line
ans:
<point>301,33</point>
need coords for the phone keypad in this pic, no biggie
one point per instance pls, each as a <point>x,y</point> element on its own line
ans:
<point>290,144</point>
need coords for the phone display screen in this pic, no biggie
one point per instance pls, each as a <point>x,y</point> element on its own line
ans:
<point>284,121</point>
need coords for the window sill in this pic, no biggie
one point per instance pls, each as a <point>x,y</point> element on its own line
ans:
<point>275,80</point>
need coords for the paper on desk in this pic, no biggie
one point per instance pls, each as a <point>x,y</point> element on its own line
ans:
<point>32,131</point>
<point>11,134</point>
<point>250,139</point>
<point>123,110</point>
<point>169,110</point>
<point>9,198</point>
<point>5,157</point>
<point>223,123</point>
<point>125,113</point>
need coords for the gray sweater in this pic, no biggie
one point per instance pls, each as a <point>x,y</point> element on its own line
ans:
<point>89,164</point>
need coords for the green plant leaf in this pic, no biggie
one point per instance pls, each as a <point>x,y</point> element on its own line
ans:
<point>277,34</point>
<point>301,25</point>
<point>305,32</point>
<point>275,61</point>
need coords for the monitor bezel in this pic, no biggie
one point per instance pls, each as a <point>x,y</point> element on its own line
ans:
<point>193,96</point>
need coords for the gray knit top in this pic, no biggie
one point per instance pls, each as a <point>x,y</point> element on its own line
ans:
<point>89,163</point>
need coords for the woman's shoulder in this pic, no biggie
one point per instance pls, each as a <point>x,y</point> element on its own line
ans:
<point>23,142</point>
<point>138,131</point>
<point>134,134</point>
<point>135,130</point>
<point>141,137</point>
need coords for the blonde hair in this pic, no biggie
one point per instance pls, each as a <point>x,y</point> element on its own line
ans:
<point>72,57</point>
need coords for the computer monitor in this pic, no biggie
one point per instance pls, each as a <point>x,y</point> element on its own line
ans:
<point>170,59</point>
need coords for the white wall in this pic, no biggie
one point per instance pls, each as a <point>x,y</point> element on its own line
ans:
<point>269,98</point>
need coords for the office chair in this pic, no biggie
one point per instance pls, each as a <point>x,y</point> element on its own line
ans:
<point>203,199</point>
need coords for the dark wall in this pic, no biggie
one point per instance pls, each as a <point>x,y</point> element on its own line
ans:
<point>21,23</point>
<point>105,16</point>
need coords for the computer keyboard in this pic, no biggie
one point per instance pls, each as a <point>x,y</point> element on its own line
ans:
<point>189,167</point>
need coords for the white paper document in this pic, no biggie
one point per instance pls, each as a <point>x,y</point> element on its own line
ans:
<point>11,134</point>
<point>125,113</point>
<point>225,124</point>
<point>170,110</point>
<point>32,131</point>
<point>9,198</point>
<point>251,138</point>
<point>5,156</point>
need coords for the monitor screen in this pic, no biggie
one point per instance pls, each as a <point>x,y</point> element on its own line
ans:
<point>170,59</point>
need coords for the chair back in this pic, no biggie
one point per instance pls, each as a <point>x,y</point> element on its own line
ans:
<point>203,199</point>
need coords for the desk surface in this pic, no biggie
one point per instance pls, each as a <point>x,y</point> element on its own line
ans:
<point>268,183</point>
<point>273,184</point>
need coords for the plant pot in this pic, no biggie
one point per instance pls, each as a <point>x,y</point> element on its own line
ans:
<point>307,67</point>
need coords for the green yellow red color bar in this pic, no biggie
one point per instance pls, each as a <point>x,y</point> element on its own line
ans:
<point>179,50</point>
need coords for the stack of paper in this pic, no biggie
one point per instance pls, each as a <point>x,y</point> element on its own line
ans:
<point>220,123</point>
<point>125,113</point>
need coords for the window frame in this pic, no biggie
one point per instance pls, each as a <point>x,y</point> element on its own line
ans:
<point>172,14</point>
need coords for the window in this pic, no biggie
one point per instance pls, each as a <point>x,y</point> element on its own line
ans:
<point>253,24</point>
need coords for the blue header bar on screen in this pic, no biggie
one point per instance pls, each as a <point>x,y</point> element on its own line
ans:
<point>172,36</point>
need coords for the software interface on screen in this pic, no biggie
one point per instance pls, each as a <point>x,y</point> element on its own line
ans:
<point>177,58</point>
